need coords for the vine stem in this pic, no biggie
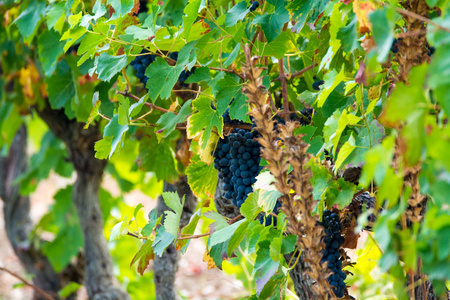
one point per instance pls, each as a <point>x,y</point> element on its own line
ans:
<point>37,289</point>
<point>150,105</point>
<point>228,71</point>
<point>421,18</point>
<point>193,236</point>
<point>298,73</point>
<point>235,219</point>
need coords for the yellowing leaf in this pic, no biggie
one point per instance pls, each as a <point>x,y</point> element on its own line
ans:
<point>27,77</point>
<point>207,259</point>
<point>362,9</point>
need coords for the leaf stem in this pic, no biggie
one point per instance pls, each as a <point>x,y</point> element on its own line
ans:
<point>193,236</point>
<point>421,18</point>
<point>150,105</point>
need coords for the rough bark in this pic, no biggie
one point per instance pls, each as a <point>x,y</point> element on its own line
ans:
<point>18,225</point>
<point>80,145</point>
<point>17,218</point>
<point>166,266</point>
<point>302,282</point>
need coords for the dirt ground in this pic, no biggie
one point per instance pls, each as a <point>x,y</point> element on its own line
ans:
<point>193,281</point>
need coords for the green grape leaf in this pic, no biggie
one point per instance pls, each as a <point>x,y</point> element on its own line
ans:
<point>203,121</point>
<point>109,65</point>
<point>119,229</point>
<point>168,121</point>
<point>345,151</point>
<point>72,35</point>
<point>172,219</point>
<point>164,76</point>
<point>95,110</point>
<point>302,9</point>
<point>219,220</point>
<point>136,107</point>
<point>200,74</point>
<point>232,57</point>
<point>383,23</point>
<point>218,253</point>
<point>190,15</point>
<point>188,230</point>
<point>117,132</point>
<point>60,86</point>
<point>265,267</point>
<point>223,234</point>
<point>158,158</point>
<point>103,147</point>
<point>163,240</point>
<point>349,36</point>
<point>29,18</point>
<point>69,289</point>
<point>55,16</point>
<point>319,180</point>
<point>121,7</point>
<point>237,13</point>
<point>272,24</point>
<point>50,49</point>
<point>340,193</point>
<point>153,221</point>
<point>143,257</point>
<point>250,208</point>
<point>278,47</point>
<point>88,46</point>
<point>64,247</point>
<point>332,80</point>
<point>227,88</point>
<point>237,237</point>
<point>202,178</point>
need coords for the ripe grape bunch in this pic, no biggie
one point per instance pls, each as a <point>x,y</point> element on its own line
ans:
<point>333,240</point>
<point>237,159</point>
<point>140,64</point>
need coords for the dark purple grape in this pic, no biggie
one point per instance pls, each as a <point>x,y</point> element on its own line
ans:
<point>316,85</point>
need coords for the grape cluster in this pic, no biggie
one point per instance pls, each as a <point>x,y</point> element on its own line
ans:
<point>333,240</point>
<point>237,158</point>
<point>254,5</point>
<point>140,64</point>
<point>268,220</point>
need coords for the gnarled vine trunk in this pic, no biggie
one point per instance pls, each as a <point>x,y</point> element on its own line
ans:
<point>80,145</point>
<point>18,224</point>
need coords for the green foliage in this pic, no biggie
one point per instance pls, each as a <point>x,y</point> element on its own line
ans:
<point>167,129</point>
